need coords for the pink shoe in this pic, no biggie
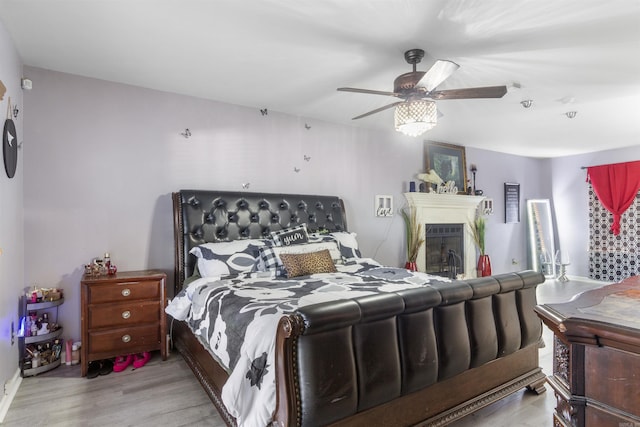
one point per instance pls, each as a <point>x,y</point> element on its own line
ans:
<point>122,362</point>
<point>141,359</point>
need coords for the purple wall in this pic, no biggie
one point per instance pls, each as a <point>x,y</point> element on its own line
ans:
<point>507,243</point>
<point>114,153</point>
<point>571,200</point>
<point>11,216</point>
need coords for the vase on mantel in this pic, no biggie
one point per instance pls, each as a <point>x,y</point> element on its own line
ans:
<point>411,266</point>
<point>484,266</point>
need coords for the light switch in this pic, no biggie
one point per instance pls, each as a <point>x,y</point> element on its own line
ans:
<point>487,206</point>
<point>384,205</point>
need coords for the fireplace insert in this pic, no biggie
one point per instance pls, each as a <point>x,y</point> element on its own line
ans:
<point>444,244</point>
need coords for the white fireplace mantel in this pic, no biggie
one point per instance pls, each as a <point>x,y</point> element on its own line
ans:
<point>433,208</point>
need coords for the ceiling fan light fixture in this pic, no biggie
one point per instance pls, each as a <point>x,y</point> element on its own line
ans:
<point>414,118</point>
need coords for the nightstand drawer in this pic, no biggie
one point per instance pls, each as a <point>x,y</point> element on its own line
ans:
<point>124,291</point>
<point>124,340</point>
<point>124,314</point>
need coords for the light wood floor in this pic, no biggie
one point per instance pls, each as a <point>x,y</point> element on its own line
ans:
<point>168,394</point>
<point>158,394</point>
<point>525,408</point>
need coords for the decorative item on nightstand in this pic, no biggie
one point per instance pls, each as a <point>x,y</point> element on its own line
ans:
<point>478,232</point>
<point>414,238</point>
<point>101,266</point>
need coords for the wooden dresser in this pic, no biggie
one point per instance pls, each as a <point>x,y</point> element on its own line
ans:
<point>596,356</point>
<point>122,314</point>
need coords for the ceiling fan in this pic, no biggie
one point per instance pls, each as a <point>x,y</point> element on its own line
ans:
<point>417,86</point>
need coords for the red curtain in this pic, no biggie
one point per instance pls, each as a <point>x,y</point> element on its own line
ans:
<point>616,186</point>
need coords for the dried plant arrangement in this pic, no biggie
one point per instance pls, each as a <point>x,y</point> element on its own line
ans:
<point>415,237</point>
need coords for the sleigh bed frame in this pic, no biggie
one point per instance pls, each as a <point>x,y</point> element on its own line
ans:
<point>482,334</point>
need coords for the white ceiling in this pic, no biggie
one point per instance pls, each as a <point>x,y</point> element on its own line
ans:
<point>291,55</point>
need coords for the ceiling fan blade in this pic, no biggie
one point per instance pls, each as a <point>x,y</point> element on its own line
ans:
<point>377,110</point>
<point>372,92</point>
<point>438,73</point>
<point>471,92</point>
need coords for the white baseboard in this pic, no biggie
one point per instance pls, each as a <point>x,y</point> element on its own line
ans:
<point>9,393</point>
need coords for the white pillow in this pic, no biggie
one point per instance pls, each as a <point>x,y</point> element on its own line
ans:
<point>348,244</point>
<point>224,258</point>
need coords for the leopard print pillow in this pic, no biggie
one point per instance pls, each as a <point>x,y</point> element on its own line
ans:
<point>309,263</point>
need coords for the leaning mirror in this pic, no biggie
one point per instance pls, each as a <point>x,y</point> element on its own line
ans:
<point>540,237</point>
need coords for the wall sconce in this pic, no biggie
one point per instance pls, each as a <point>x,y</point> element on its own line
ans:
<point>527,103</point>
<point>571,114</point>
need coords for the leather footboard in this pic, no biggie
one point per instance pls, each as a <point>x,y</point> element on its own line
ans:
<point>434,348</point>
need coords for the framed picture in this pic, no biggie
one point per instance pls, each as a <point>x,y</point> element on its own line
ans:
<point>449,162</point>
<point>511,202</point>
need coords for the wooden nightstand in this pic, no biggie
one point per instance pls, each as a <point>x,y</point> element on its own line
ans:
<point>122,314</point>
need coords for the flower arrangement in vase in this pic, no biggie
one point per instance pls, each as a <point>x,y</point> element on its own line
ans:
<point>478,232</point>
<point>415,238</point>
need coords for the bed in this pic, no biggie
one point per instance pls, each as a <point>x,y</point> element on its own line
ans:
<point>416,350</point>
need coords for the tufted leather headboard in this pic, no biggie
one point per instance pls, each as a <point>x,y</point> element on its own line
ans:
<point>202,216</point>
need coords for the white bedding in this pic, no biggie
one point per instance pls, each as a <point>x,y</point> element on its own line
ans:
<point>236,318</point>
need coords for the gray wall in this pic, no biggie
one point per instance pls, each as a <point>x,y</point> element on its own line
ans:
<point>11,214</point>
<point>102,159</point>
<point>506,243</point>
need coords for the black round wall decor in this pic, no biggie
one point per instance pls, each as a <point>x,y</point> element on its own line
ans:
<point>10,147</point>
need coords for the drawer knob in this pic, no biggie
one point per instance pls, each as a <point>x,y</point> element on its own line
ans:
<point>126,314</point>
<point>126,292</point>
<point>126,338</point>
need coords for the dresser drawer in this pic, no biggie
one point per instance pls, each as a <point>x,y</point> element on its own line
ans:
<point>124,314</point>
<point>124,291</point>
<point>124,340</point>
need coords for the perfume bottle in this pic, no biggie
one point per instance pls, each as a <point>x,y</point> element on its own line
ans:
<point>75,353</point>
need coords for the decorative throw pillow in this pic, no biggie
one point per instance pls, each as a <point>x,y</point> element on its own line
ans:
<point>308,263</point>
<point>290,236</point>
<point>270,255</point>
<point>348,244</point>
<point>224,258</point>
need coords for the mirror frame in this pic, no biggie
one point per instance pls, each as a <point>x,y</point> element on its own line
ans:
<point>548,237</point>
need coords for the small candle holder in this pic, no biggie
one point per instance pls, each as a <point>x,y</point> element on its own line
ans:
<point>562,261</point>
<point>562,273</point>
